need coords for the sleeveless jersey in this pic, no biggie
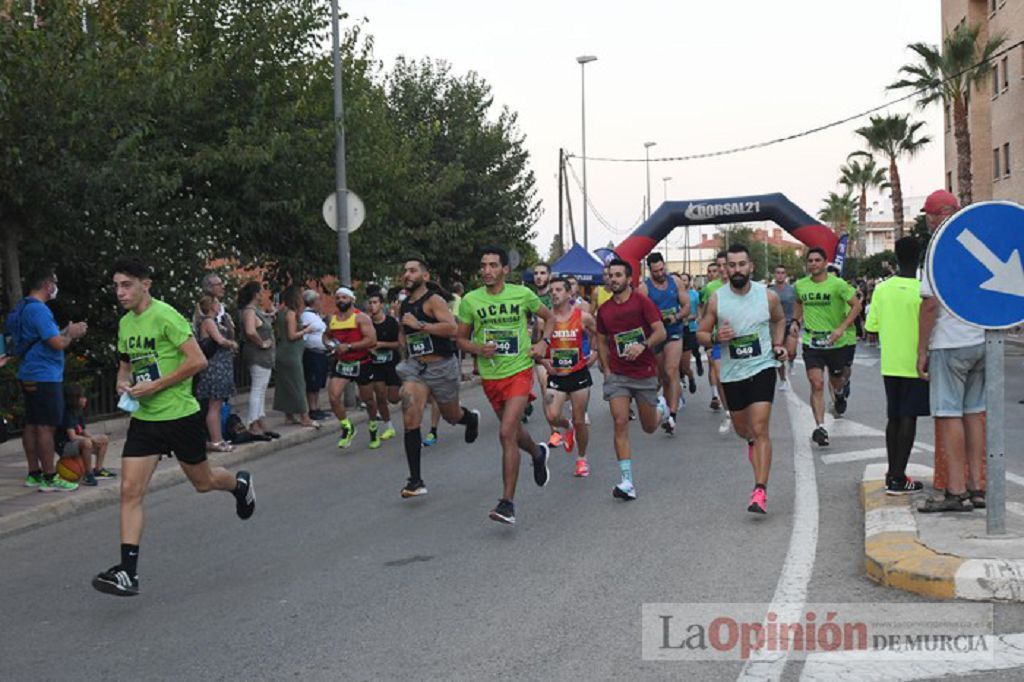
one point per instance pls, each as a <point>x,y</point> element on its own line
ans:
<point>419,343</point>
<point>750,351</point>
<point>667,301</point>
<point>568,353</point>
<point>347,331</point>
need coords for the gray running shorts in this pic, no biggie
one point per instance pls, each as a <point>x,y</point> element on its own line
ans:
<point>441,377</point>
<point>619,386</point>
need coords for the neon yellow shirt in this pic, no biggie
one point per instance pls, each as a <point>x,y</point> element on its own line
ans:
<point>895,310</point>
<point>825,306</point>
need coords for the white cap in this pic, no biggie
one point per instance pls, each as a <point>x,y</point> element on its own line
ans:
<point>344,291</point>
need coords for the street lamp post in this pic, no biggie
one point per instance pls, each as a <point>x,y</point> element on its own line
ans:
<point>647,154</point>
<point>583,60</point>
<point>664,187</point>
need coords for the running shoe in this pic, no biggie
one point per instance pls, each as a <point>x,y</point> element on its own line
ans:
<point>820,436</point>
<point>56,485</point>
<point>669,425</point>
<point>541,474</point>
<point>105,473</point>
<point>473,426</point>
<point>348,432</point>
<point>414,488</point>
<point>783,385</point>
<point>907,487</point>
<point>245,495</point>
<point>388,433</point>
<point>33,481</point>
<point>116,581</point>
<point>693,385</point>
<point>839,404</point>
<point>716,404</point>
<point>505,512</point>
<point>624,491</point>
<point>89,479</point>
<point>569,441</point>
<point>431,439</point>
<point>662,409</point>
<point>725,426</point>
<point>555,440</point>
<point>632,414</point>
<point>582,468</point>
<point>758,501</point>
<point>373,428</point>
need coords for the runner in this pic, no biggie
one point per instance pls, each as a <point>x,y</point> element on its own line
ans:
<point>574,294</point>
<point>351,335</point>
<point>384,360</point>
<point>158,356</point>
<point>493,326</point>
<point>627,328</point>
<point>787,296</point>
<point>749,320</point>
<point>690,347</point>
<point>603,293</point>
<point>541,285</point>
<point>568,372</point>
<point>669,294</point>
<point>718,399</point>
<point>826,306</point>
<point>431,368</point>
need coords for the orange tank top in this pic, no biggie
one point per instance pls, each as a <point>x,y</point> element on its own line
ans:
<point>347,331</point>
<point>566,351</point>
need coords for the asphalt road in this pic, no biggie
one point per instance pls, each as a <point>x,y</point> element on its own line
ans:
<point>337,577</point>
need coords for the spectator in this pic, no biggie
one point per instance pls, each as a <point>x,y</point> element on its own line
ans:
<point>216,383</point>
<point>40,346</point>
<point>213,285</point>
<point>314,353</point>
<point>290,388</point>
<point>457,291</point>
<point>73,440</point>
<point>257,354</point>
<point>951,356</point>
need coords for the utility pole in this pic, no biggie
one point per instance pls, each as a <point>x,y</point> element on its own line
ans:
<point>561,228</point>
<point>340,180</point>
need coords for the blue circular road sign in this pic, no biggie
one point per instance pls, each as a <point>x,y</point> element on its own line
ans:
<point>974,264</point>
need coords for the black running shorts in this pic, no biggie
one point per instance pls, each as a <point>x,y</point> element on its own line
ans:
<point>570,383</point>
<point>184,438</point>
<point>387,373</point>
<point>689,340</point>
<point>906,397</point>
<point>760,388</point>
<point>362,376</point>
<point>835,359</point>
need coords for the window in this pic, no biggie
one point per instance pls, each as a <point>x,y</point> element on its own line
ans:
<point>1006,160</point>
<point>1006,73</point>
<point>949,181</point>
<point>995,81</point>
<point>995,164</point>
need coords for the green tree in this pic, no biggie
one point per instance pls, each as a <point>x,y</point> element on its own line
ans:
<point>838,210</point>
<point>556,250</point>
<point>949,75</point>
<point>860,177</point>
<point>894,136</point>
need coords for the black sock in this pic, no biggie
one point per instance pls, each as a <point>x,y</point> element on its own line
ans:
<point>750,443</point>
<point>413,443</point>
<point>464,419</point>
<point>130,559</point>
<point>433,431</point>
<point>37,473</point>
<point>50,477</point>
<point>762,486</point>
<point>672,414</point>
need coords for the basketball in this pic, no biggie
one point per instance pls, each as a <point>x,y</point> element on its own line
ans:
<point>70,468</point>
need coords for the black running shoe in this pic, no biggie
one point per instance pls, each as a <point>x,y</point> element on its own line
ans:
<point>116,581</point>
<point>414,488</point>
<point>540,466</point>
<point>473,426</point>
<point>840,404</point>
<point>906,487</point>
<point>820,436</point>
<point>245,496</point>
<point>693,386</point>
<point>505,512</point>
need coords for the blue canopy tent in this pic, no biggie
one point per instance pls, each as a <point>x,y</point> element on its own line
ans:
<point>584,266</point>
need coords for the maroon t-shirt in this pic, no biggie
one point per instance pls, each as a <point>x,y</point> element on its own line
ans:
<point>626,323</point>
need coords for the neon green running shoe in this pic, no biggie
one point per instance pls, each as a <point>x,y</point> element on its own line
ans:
<point>388,433</point>
<point>33,481</point>
<point>56,485</point>
<point>374,438</point>
<point>348,432</point>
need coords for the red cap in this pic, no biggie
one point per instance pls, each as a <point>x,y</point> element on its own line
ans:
<point>938,201</point>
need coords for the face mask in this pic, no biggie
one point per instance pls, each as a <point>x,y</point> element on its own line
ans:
<point>739,280</point>
<point>343,307</point>
<point>53,296</point>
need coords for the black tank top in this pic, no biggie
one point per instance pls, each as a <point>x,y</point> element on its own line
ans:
<point>419,343</point>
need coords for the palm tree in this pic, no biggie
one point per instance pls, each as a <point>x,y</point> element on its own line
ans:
<point>838,211</point>
<point>949,76</point>
<point>861,177</point>
<point>894,136</point>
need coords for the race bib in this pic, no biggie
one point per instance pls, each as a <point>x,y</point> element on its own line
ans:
<point>382,357</point>
<point>145,369</point>
<point>419,344</point>
<point>668,313</point>
<point>565,358</point>
<point>624,340</point>
<point>820,340</point>
<point>347,369</point>
<point>507,341</point>
<point>745,347</point>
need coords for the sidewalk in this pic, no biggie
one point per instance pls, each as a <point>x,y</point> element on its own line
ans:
<point>946,555</point>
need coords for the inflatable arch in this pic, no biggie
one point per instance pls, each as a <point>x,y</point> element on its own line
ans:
<point>774,207</point>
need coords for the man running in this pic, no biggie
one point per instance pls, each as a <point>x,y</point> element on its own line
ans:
<point>750,329</point>
<point>384,360</point>
<point>787,297</point>
<point>158,356</point>
<point>691,351</point>
<point>669,294</point>
<point>718,400</point>
<point>568,372</point>
<point>350,333</point>
<point>431,368</point>
<point>628,326</point>
<point>827,307</point>
<point>493,326</point>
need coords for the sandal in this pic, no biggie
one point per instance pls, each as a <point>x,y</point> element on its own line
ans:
<point>222,446</point>
<point>949,503</point>
<point>977,498</point>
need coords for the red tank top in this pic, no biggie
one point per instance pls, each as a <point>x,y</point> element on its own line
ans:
<point>566,351</point>
<point>347,331</point>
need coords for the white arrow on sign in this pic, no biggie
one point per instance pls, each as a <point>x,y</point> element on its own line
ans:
<point>1007,278</point>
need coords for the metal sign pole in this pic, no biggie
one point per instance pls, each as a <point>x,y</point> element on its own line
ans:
<point>995,437</point>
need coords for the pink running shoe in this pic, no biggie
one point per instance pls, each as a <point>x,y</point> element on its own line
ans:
<point>569,440</point>
<point>555,440</point>
<point>758,501</point>
<point>582,468</point>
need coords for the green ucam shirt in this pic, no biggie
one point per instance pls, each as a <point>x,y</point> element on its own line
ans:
<point>825,307</point>
<point>710,288</point>
<point>151,343</point>
<point>501,318</point>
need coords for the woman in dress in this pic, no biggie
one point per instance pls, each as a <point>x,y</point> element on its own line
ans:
<point>216,383</point>
<point>290,388</point>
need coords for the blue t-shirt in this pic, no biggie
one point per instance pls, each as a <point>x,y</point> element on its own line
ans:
<point>694,308</point>
<point>30,325</point>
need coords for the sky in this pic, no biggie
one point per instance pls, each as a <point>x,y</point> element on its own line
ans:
<point>690,75</point>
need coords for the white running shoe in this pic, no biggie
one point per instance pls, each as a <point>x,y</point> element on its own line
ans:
<point>663,413</point>
<point>725,426</point>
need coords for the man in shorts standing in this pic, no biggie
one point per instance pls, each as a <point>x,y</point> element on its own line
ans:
<point>747,321</point>
<point>629,325</point>
<point>158,358</point>
<point>351,335</point>
<point>493,326</point>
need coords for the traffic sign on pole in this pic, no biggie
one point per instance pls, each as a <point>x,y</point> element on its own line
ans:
<point>356,211</point>
<point>975,270</point>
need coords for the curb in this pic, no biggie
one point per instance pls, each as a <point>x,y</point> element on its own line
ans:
<point>895,557</point>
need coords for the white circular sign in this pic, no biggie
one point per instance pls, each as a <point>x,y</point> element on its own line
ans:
<point>356,211</point>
